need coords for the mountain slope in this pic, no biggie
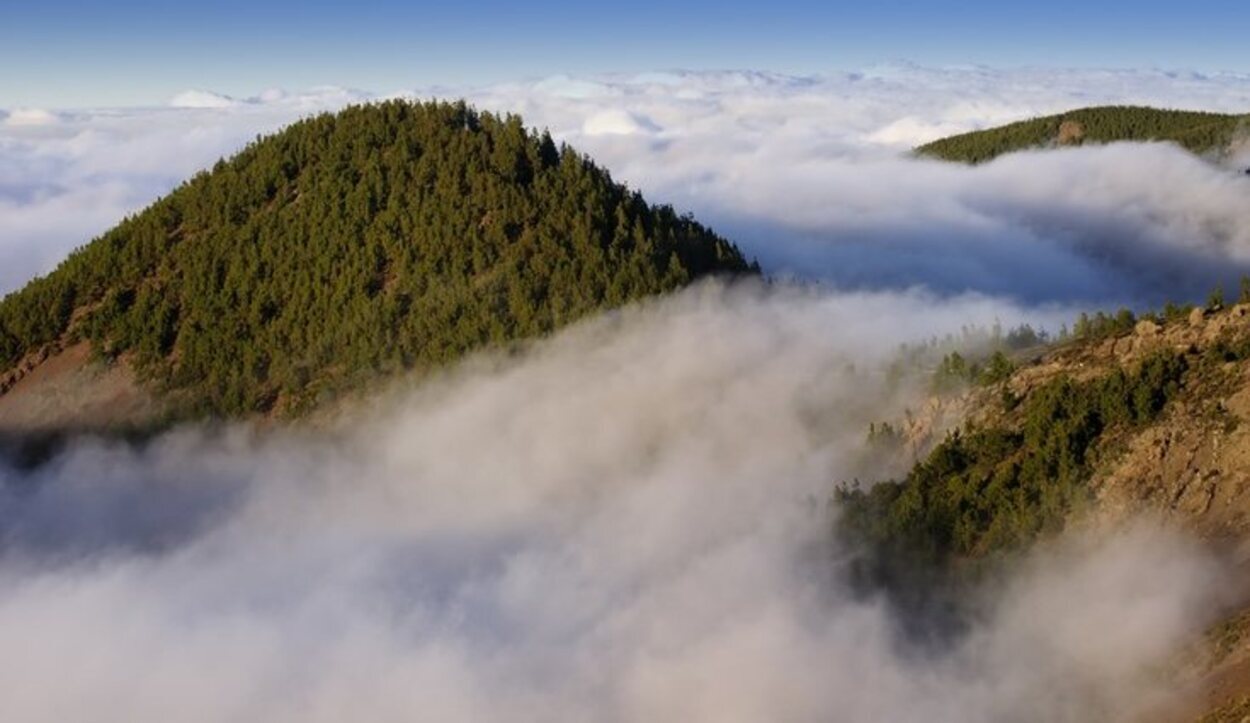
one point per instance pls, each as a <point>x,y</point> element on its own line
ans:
<point>1082,430</point>
<point>382,238</point>
<point>1198,132</point>
<point>1134,418</point>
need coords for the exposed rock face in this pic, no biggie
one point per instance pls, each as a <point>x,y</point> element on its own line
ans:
<point>1193,468</point>
<point>1070,133</point>
<point>924,428</point>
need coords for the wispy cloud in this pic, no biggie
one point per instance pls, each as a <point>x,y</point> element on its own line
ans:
<point>626,523</point>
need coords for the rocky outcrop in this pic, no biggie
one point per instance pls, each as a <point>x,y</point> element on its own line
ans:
<point>1070,133</point>
<point>1189,468</point>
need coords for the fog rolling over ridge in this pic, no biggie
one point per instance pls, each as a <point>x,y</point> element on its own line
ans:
<point>626,522</point>
<point>629,520</point>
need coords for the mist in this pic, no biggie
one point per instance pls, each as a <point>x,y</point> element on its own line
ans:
<point>625,522</point>
<point>630,520</point>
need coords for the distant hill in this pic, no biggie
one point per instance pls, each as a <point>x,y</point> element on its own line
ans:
<point>1198,132</point>
<point>382,238</point>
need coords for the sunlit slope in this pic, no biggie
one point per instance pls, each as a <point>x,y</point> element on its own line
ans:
<point>382,238</point>
<point>1129,419</point>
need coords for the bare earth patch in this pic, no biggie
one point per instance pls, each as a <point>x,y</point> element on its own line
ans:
<point>68,390</point>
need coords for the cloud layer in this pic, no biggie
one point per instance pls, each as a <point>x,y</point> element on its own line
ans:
<point>808,174</point>
<point>626,523</point>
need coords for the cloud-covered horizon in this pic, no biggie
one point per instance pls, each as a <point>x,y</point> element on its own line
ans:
<point>809,174</point>
<point>625,523</point>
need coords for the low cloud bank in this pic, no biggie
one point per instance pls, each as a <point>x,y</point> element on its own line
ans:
<point>627,522</point>
<point>624,523</point>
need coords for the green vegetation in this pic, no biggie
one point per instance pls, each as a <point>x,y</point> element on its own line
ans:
<point>1226,636</point>
<point>1226,350</point>
<point>1196,131</point>
<point>992,489</point>
<point>1233,711</point>
<point>382,238</point>
<point>1101,325</point>
<point>955,371</point>
<point>1215,300</point>
<point>883,435</point>
<point>996,487</point>
<point>976,355</point>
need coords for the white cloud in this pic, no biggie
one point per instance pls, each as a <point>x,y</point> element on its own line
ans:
<point>201,99</point>
<point>808,173</point>
<point>626,524</point>
<point>617,122</point>
<point>912,131</point>
<point>563,86</point>
<point>30,117</point>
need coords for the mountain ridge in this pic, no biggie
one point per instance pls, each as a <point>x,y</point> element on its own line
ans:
<point>1199,132</point>
<point>382,238</point>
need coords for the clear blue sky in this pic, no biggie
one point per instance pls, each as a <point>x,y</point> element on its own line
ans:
<point>66,53</point>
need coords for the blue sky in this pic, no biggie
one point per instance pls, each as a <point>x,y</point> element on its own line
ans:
<point>74,53</point>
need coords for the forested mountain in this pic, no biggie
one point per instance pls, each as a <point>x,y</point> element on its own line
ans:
<point>1196,131</point>
<point>381,238</point>
<point>1001,484</point>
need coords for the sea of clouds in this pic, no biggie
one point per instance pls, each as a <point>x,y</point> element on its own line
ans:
<point>809,174</point>
<point>628,521</point>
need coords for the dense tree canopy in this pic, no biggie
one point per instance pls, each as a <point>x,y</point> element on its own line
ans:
<point>385,237</point>
<point>996,487</point>
<point>1196,131</point>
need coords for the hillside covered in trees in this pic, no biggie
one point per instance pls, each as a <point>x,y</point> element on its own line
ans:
<point>998,486</point>
<point>1129,417</point>
<point>1041,439</point>
<point>383,238</point>
<point>1198,132</point>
